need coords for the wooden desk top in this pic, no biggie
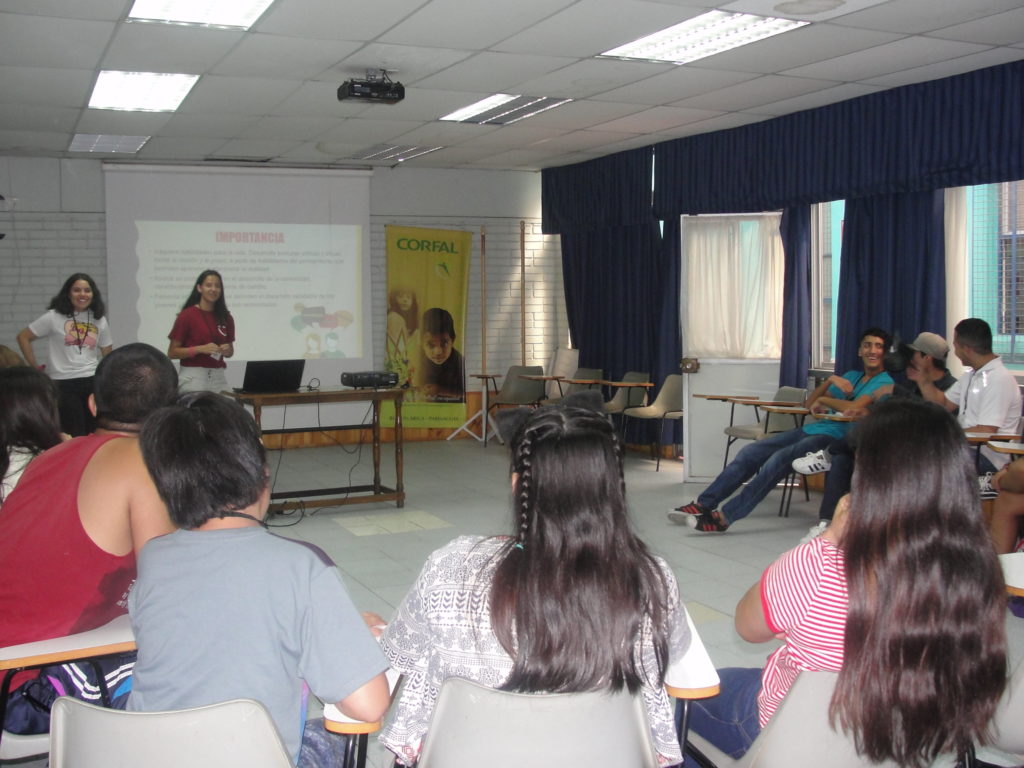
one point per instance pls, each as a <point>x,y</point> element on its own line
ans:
<point>584,382</point>
<point>1007,446</point>
<point>796,410</point>
<point>486,375</point>
<point>980,438</point>
<point>628,384</point>
<point>323,395</point>
<point>535,377</point>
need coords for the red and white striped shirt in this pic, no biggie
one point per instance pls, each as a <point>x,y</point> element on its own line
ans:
<point>803,595</point>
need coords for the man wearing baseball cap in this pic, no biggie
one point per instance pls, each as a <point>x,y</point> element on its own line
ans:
<point>927,364</point>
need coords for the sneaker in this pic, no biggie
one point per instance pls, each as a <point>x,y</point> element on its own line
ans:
<point>986,491</point>
<point>706,522</point>
<point>682,514</point>
<point>815,531</point>
<point>813,463</point>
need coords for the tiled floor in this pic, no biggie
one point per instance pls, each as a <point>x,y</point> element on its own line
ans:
<point>460,487</point>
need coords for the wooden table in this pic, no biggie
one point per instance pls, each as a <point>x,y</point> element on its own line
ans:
<point>369,493</point>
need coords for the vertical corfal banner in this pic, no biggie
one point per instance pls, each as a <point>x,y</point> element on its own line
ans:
<point>428,279</point>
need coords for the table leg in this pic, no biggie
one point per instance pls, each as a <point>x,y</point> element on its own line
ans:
<point>376,446</point>
<point>484,414</point>
<point>399,458</point>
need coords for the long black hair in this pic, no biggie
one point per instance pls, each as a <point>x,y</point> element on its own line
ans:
<point>28,413</point>
<point>220,307</point>
<point>925,646</point>
<point>61,303</point>
<point>576,588</point>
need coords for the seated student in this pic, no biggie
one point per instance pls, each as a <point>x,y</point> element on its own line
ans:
<point>1005,527</point>
<point>927,363</point>
<point>29,421</point>
<point>891,596</point>
<point>765,462</point>
<point>224,609</point>
<point>71,529</point>
<point>571,601</point>
<point>440,373</point>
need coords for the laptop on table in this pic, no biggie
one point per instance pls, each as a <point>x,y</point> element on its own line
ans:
<point>266,376</point>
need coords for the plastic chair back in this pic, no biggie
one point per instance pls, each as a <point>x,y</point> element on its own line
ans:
<point>629,397</point>
<point>238,733</point>
<point>474,725</point>
<point>516,390</point>
<point>1008,722</point>
<point>782,422</point>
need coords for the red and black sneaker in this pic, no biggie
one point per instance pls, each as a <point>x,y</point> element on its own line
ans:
<point>709,522</point>
<point>683,514</point>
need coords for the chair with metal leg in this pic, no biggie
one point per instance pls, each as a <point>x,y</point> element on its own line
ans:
<point>667,405</point>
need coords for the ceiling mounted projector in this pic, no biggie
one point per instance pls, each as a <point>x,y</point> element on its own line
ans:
<point>376,87</point>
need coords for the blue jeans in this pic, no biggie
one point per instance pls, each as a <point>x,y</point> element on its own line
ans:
<point>728,720</point>
<point>763,462</point>
<point>838,479</point>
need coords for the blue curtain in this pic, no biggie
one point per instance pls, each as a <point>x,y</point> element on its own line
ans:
<point>893,269</point>
<point>795,230</point>
<point>967,129</point>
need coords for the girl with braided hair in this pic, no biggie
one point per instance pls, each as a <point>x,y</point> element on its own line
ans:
<point>571,601</point>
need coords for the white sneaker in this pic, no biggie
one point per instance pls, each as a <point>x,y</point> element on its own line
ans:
<point>813,463</point>
<point>815,531</point>
<point>985,489</point>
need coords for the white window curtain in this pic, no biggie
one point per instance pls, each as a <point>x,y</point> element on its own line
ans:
<point>734,268</point>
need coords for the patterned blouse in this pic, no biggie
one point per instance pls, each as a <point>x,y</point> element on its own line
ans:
<point>442,629</point>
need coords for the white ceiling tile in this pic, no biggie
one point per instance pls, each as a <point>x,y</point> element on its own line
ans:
<point>656,119</point>
<point>817,98</point>
<point>719,123</point>
<point>676,84</point>
<point>141,47</point>
<point>331,20</point>
<point>768,8</point>
<point>421,104</point>
<point>254,148</point>
<point>317,99</point>
<point>99,10</point>
<point>236,95</point>
<point>583,29</point>
<point>205,126</point>
<point>458,24</point>
<point>999,29</point>
<point>407,64</point>
<point>581,140</point>
<point>917,16</point>
<point>121,123</point>
<point>989,58</point>
<point>366,132</point>
<point>511,136</point>
<point>303,128</point>
<point>283,58</point>
<point>443,134</point>
<point>494,72</point>
<point>796,48</point>
<point>890,57</point>
<point>44,41</point>
<point>578,115</point>
<point>754,93</point>
<point>33,142</point>
<point>179,148</point>
<point>51,87</point>
<point>590,77</point>
<point>31,117</point>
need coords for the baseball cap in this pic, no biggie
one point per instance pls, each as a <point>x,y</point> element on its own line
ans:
<point>931,344</point>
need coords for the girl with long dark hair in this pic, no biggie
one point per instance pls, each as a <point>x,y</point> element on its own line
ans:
<point>903,596</point>
<point>571,601</point>
<point>78,337</point>
<point>29,422</point>
<point>203,336</point>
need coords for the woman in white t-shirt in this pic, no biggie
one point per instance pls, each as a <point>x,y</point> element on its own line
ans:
<point>75,327</point>
<point>902,595</point>
<point>28,422</point>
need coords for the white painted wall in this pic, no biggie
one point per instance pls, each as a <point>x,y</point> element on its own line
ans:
<point>54,221</point>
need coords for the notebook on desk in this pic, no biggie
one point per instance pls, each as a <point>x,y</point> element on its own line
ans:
<point>263,376</point>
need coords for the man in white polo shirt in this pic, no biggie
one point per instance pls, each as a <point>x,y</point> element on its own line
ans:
<point>988,396</point>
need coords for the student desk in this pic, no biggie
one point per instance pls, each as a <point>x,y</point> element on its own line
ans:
<point>341,495</point>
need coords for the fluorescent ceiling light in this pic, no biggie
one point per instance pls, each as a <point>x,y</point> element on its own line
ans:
<point>702,36</point>
<point>141,91</point>
<point>503,109</point>
<point>394,153</point>
<point>93,142</point>
<point>218,13</point>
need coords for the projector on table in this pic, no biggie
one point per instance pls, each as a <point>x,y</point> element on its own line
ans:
<point>370,380</point>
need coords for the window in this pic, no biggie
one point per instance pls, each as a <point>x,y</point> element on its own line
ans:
<point>995,252</point>
<point>826,240</point>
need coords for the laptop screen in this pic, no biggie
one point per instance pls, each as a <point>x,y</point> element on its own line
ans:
<point>273,375</point>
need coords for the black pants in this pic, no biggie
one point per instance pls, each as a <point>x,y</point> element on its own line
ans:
<point>75,418</point>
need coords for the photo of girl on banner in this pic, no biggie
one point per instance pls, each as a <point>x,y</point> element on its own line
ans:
<point>427,286</point>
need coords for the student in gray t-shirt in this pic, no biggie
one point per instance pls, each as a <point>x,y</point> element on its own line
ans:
<point>224,609</point>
